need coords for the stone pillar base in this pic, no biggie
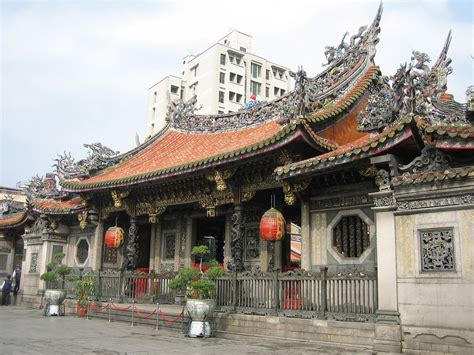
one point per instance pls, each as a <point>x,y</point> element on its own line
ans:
<point>388,332</point>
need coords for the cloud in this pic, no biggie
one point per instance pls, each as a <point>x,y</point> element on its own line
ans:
<point>78,72</point>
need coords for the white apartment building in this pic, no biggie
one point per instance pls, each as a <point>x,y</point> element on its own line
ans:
<point>223,78</point>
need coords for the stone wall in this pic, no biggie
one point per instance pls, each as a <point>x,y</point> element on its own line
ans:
<point>436,307</point>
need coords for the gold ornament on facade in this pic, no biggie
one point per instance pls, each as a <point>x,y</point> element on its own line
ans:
<point>118,196</point>
<point>289,190</point>
<point>220,177</point>
<point>248,195</point>
<point>284,158</point>
<point>152,209</point>
<point>53,222</point>
<point>82,218</point>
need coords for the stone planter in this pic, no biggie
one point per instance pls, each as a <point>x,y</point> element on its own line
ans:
<point>54,299</point>
<point>200,311</point>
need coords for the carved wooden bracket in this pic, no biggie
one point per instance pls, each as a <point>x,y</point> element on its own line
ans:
<point>118,196</point>
<point>152,209</point>
<point>220,177</point>
<point>82,218</point>
<point>289,190</point>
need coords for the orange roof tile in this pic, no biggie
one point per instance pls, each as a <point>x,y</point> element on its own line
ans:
<point>12,220</point>
<point>57,206</point>
<point>177,149</point>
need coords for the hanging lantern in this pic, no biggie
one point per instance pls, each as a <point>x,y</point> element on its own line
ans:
<point>114,237</point>
<point>272,225</point>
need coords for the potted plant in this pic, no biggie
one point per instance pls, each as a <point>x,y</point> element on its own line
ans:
<point>55,277</point>
<point>85,287</point>
<point>181,283</point>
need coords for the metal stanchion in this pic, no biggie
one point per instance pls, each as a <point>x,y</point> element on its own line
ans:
<point>110,307</point>
<point>133,310</point>
<point>182,321</point>
<point>87,308</point>
<point>157,315</point>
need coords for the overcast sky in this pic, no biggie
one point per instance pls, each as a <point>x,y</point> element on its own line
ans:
<point>75,72</point>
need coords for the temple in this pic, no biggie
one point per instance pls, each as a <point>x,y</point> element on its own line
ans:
<point>373,174</point>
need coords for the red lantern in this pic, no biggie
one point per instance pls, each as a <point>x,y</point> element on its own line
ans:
<point>272,225</point>
<point>114,237</point>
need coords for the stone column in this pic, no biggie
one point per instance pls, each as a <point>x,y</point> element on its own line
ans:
<point>42,262</point>
<point>236,263</point>
<point>151,263</point>
<point>387,328</point>
<point>97,246</point>
<point>178,239</point>
<point>227,240</point>
<point>157,253</point>
<point>131,252</point>
<point>189,241</point>
<point>305,237</point>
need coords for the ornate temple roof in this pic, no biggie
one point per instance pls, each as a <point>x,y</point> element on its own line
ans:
<point>191,142</point>
<point>51,206</point>
<point>346,113</point>
<point>13,220</point>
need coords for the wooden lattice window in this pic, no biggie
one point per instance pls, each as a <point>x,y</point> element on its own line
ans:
<point>351,236</point>
<point>110,255</point>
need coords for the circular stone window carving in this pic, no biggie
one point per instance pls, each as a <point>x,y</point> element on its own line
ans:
<point>82,251</point>
<point>351,236</point>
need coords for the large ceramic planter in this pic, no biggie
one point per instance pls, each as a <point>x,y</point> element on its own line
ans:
<point>54,298</point>
<point>200,311</point>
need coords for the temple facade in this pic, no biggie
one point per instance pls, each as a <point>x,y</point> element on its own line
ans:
<point>374,174</point>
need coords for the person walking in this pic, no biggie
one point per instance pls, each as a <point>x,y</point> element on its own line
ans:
<point>17,276</point>
<point>6,289</point>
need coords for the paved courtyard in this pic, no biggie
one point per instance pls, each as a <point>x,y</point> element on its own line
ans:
<point>26,331</point>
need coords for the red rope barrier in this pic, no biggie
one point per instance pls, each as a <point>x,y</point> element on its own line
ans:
<point>144,315</point>
<point>166,319</point>
<point>121,309</point>
<point>98,309</point>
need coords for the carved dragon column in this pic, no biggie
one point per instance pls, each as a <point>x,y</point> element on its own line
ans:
<point>236,264</point>
<point>131,248</point>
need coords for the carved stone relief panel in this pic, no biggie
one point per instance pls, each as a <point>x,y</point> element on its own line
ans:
<point>437,250</point>
<point>169,241</point>
<point>252,242</point>
<point>33,262</point>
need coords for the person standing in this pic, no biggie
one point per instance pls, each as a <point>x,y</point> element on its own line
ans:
<point>7,287</point>
<point>17,276</point>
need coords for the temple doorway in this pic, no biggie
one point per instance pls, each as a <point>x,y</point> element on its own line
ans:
<point>144,235</point>
<point>211,232</point>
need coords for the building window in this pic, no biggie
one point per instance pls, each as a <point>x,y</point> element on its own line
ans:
<point>239,79</point>
<point>82,251</point>
<point>282,92</point>
<point>239,98</point>
<point>255,70</point>
<point>155,97</point>
<point>232,77</point>
<point>220,112</point>
<point>267,74</point>
<point>255,88</point>
<point>267,92</point>
<point>193,88</point>
<point>351,236</point>
<point>222,78</point>
<point>437,250</point>
<point>170,244</point>
<point>231,96</point>
<point>276,91</point>
<point>174,89</point>
<point>243,49</point>
<point>221,97</point>
<point>194,70</point>
<point>222,59</point>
